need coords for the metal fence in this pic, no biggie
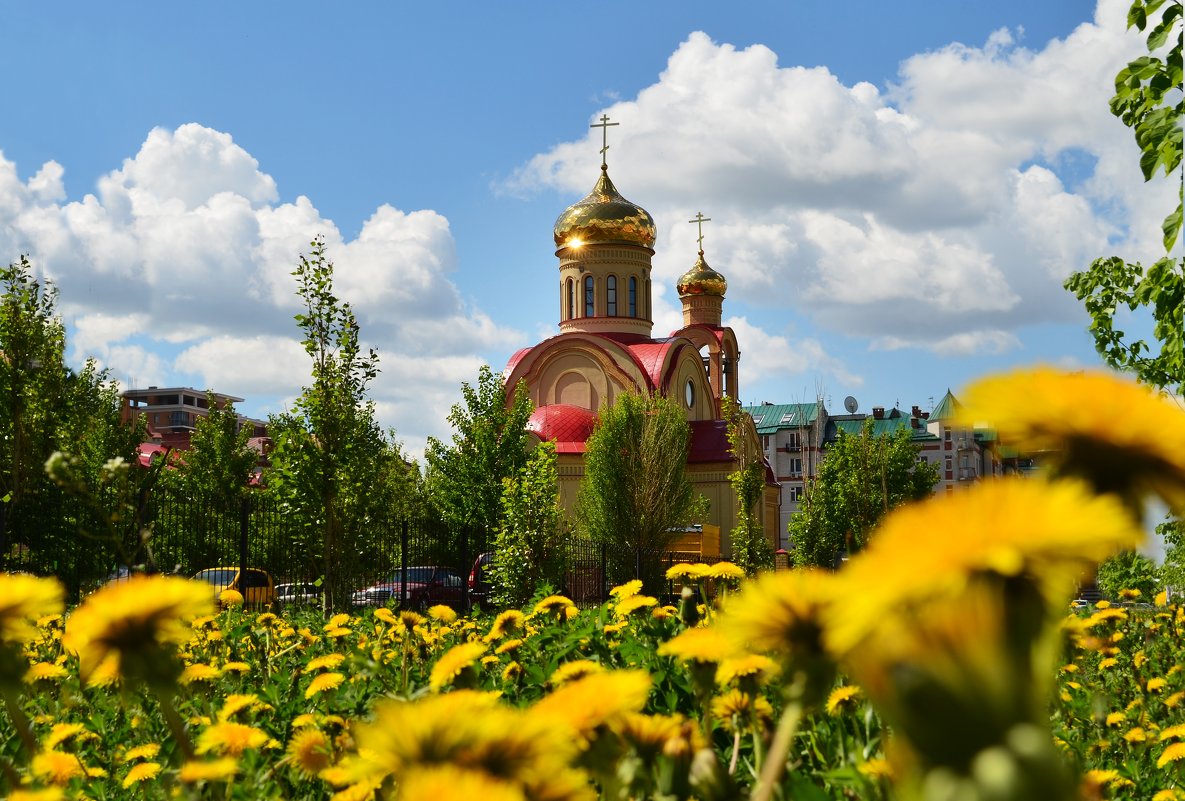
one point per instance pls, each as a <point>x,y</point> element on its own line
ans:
<point>47,535</point>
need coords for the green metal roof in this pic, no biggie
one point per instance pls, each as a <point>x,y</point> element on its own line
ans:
<point>770,418</point>
<point>946,408</point>
<point>880,428</point>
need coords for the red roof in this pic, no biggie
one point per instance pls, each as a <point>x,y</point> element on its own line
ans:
<point>568,426</point>
<point>147,451</point>
<point>709,441</point>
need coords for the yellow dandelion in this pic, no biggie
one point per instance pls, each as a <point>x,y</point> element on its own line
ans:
<point>512,671</point>
<point>230,739</point>
<point>627,590</point>
<point>1130,594</point>
<point>338,632</point>
<point>386,615</point>
<point>1174,753</point>
<point>443,614</point>
<point>1108,663</point>
<point>1052,531</point>
<point>586,703</point>
<point>196,771</point>
<point>236,703</point>
<point>570,671</point>
<point>750,666</point>
<point>1156,684</point>
<point>842,699</point>
<point>141,772</point>
<point>1169,795</point>
<point>876,769</point>
<point>635,603</point>
<point>338,620</point>
<point>1172,733</point>
<point>1136,735</point>
<point>735,709</point>
<point>230,599</point>
<point>61,732</point>
<point>557,604</point>
<point>450,781</point>
<point>145,751</point>
<point>23,599</point>
<point>326,662</point>
<point>44,794</point>
<point>304,719</point>
<point>57,767</point>
<point>1138,659</point>
<point>453,662</point>
<point>45,671</point>
<point>726,571</point>
<point>687,571</point>
<point>508,646</point>
<point>129,628</point>
<point>509,622</point>
<point>613,628</point>
<point>199,672</point>
<point>1162,598</point>
<point>410,619</point>
<point>309,752</point>
<point>241,668</point>
<point>1115,718</point>
<point>706,645</point>
<point>663,612</point>
<point>323,682</point>
<point>1071,415</point>
<point>1174,700</point>
<point>781,613</point>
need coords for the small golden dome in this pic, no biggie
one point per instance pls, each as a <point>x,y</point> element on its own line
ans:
<point>701,280</point>
<point>604,217</point>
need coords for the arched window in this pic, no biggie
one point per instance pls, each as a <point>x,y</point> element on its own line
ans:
<point>647,304</point>
<point>633,297</point>
<point>611,296</point>
<point>569,304</point>
<point>588,296</point>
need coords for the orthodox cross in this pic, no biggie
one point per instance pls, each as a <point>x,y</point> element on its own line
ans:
<point>604,125</point>
<point>699,221</point>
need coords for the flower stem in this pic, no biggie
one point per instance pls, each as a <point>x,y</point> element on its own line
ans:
<point>775,760</point>
<point>21,722</point>
<point>176,725</point>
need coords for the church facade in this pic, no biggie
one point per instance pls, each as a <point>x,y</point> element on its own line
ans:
<point>605,347</point>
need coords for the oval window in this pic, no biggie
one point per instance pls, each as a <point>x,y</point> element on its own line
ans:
<point>689,393</point>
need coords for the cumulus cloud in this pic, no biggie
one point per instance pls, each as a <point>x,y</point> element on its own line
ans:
<point>942,211</point>
<point>186,249</point>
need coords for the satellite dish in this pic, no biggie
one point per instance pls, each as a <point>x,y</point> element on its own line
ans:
<point>850,404</point>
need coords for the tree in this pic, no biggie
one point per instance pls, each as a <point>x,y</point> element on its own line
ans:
<point>861,478</point>
<point>1129,570</point>
<point>1172,570</point>
<point>327,452</point>
<point>489,445</point>
<point>636,494</point>
<point>220,461</point>
<point>751,550</point>
<point>1144,93</point>
<point>528,548</point>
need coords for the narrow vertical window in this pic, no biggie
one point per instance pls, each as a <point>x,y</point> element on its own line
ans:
<point>611,296</point>
<point>633,297</point>
<point>588,296</point>
<point>568,301</point>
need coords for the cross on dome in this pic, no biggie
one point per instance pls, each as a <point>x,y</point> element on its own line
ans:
<point>604,125</point>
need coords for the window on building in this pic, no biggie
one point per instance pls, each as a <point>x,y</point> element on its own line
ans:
<point>950,463</point>
<point>796,467</point>
<point>946,434</point>
<point>796,493</point>
<point>793,440</point>
<point>588,296</point>
<point>611,296</point>
<point>765,441</point>
<point>569,303</point>
<point>633,297</point>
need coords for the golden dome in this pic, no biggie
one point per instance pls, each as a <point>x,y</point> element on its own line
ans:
<point>701,280</point>
<point>603,217</point>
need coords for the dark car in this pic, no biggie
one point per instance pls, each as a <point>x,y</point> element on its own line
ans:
<point>300,593</point>
<point>426,586</point>
<point>479,581</point>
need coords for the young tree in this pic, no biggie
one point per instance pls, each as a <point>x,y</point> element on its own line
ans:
<point>1172,570</point>
<point>1129,570</point>
<point>326,450</point>
<point>528,547</point>
<point>636,494</point>
<point>220,462</point>
<point>861,478</point>
<point>751,550</point>
<point>1147,99</point>
<point>489,445</point>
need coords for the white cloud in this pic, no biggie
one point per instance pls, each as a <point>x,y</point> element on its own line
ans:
<point>780,357</point>
<point>943,212</point>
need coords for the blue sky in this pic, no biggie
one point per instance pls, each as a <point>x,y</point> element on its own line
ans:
<point>897,190</point>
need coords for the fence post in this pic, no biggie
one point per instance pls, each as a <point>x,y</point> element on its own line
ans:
<point>603,590</point>
<point>243,518</point>
<point>465,562</point>
<point>403,565</point>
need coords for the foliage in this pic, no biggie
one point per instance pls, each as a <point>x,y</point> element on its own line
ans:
<point>528,547</point>
<point>1129,570</point>
<point>751,549</point>
<point>636,493</point>
<point>330,455</point>
<point>1172,569</point>
<point>220,461</point>
<point>860,479</point>
<point>489,445</point>
<point>1145,91</point>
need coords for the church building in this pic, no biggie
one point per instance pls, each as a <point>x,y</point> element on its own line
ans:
<point>605,347</point>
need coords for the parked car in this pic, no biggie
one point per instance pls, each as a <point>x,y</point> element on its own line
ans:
<point>256,586</point>
<point>479,581</point>
<point>426,586</point>
<point>299,593</point>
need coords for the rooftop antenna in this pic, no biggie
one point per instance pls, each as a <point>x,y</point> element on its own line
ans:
<point>850,404</point>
